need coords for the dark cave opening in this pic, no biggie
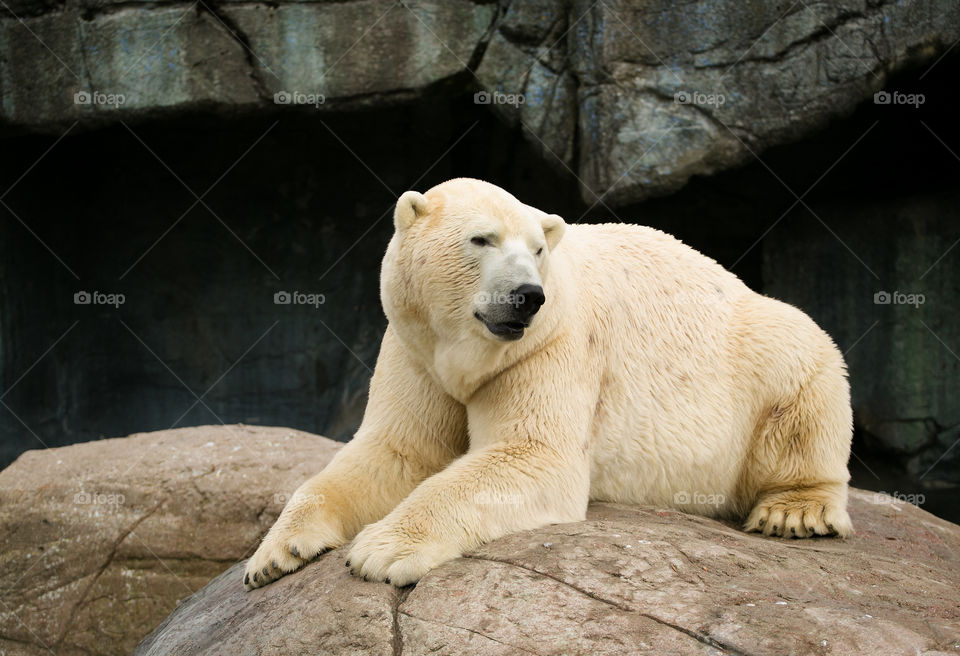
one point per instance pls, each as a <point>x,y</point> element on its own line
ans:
<point>199,221</point>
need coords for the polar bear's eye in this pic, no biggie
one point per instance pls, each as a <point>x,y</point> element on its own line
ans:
<point>540,250</point>
<point>479,241</point>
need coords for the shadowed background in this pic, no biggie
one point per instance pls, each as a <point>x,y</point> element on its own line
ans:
<point>299,199</point>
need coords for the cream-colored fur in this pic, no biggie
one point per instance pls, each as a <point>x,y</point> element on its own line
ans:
<point>650,375</point>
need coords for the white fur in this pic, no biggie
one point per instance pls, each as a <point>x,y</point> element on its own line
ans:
<point>650,375</point>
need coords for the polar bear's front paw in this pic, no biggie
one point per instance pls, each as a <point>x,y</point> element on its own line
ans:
<point>385,552</point>
<point>800,514</point>
<point>287,547</point>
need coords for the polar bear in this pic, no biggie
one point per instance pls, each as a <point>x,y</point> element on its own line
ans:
<point>529,366</point>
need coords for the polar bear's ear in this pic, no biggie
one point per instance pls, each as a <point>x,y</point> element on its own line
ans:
<point>553,229</point>
<point>410,206</point>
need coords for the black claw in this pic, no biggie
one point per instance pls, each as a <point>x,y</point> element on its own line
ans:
<point>294,551</point>
<point>387,580</point>
<point>246,579</point>
<point>761,523</point>
<point>348,563</point>
<point>793,531</point>
<point>365,578</point>
<point>274,565</point>
<point>775,527</point>
<point>265,572</point>
<point>830,526</point>
<point>256,577</point>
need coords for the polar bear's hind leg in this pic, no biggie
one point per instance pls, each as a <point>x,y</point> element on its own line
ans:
<point>796,473</point>
<point>794,476</point>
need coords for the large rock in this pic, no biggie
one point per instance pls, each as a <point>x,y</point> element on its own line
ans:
<point>627,580</point>
<point>633,97</point>
<point>100,541</point>
<point>162,60</point>
<point>652,93</point>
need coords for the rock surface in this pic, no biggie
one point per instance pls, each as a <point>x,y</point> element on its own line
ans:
<point>627,580</point>
<point>100,541</point>
<point>634,98</point>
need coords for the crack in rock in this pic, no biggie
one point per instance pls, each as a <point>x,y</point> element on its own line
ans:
<point>399,598</point>
<point>699,637</point>
<point>473,631</point>
<point>113,552</point>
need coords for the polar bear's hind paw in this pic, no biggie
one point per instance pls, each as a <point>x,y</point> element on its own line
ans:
<point>800,514</point>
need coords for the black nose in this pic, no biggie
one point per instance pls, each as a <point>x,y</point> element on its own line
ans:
<point>527,299</point>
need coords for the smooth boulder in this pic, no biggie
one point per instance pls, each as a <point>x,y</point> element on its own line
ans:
<point>626,580</point>
<point>100,541</point>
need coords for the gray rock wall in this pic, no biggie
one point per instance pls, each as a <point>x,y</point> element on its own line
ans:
<point>635,98</point>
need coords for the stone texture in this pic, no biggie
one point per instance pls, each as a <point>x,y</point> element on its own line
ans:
<point>627,580</point>
<point>782,69</point>
<point>633,98</point>
<point>100,541</point>
<point>170,59</point>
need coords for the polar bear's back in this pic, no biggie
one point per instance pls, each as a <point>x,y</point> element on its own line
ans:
<point>641,276</point>
<point>685,350</point>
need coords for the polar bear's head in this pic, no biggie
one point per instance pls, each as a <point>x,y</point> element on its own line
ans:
<point>469,258</point>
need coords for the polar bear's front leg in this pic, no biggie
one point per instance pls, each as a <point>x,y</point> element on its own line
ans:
<point>484,495</point>
<point>411,430</point>
<point>528,466</point>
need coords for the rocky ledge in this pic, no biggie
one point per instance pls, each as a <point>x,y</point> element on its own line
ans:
<point>634,98</point>
<point>627,580</point>
<point>100,541</point>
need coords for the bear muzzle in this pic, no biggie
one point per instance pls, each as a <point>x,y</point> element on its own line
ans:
<point>513,315</point>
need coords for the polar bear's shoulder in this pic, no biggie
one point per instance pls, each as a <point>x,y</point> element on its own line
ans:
<point>640,246</point>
